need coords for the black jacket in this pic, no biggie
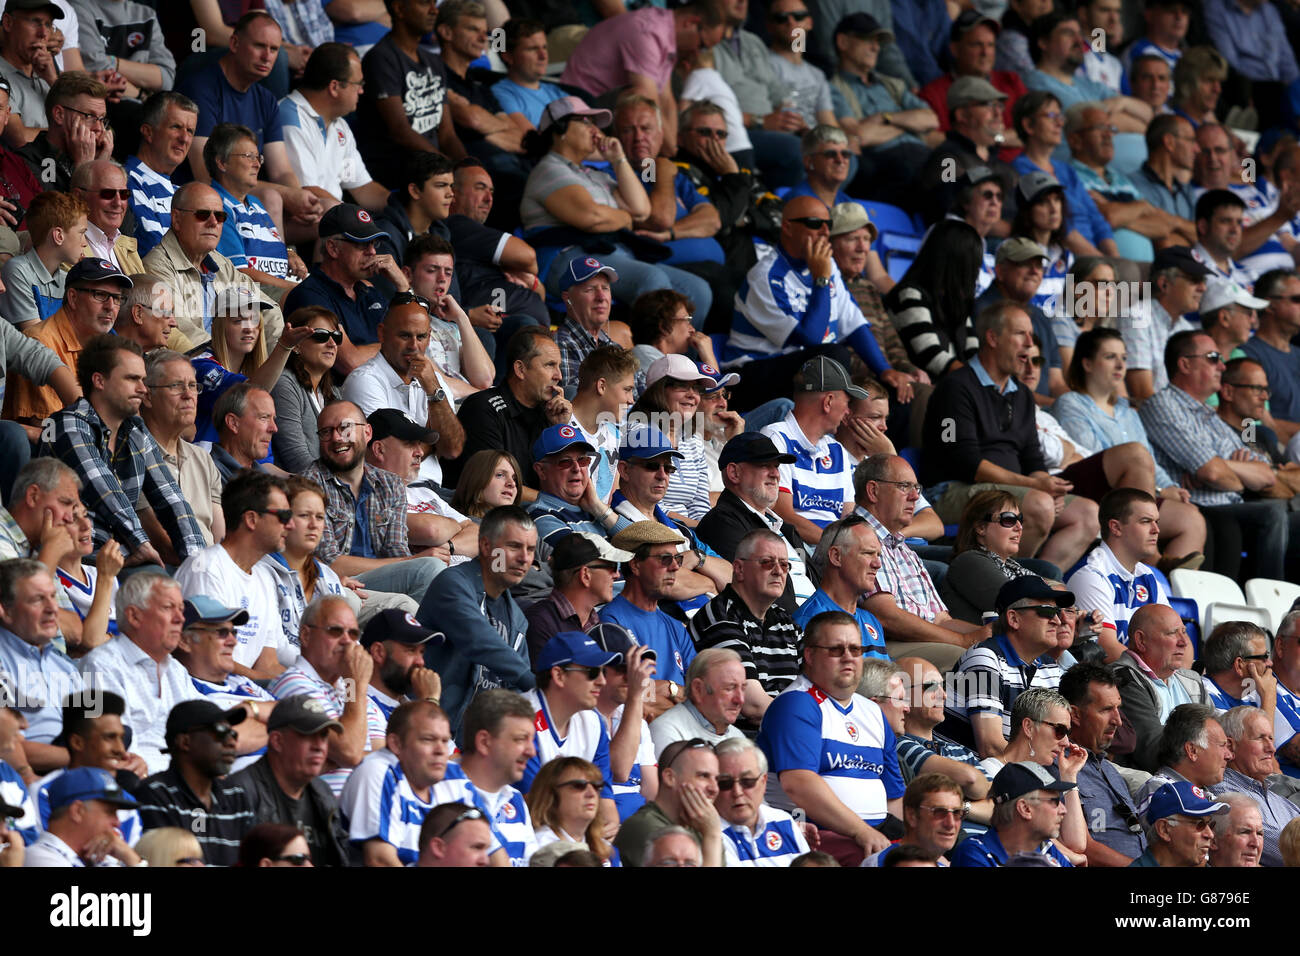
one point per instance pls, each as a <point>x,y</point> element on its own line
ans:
<point>262,788</point>
<point>730,520</point>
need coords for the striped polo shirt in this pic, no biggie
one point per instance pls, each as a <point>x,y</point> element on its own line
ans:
<point>166,800</point>
<point>775,840</point>
<point>379,804</point>
<point>988,679</point>
<point>821,479</point>
<point>505,810</point>
<point>850,746</point>
<point>1286,723</point>
<point>151,203</point>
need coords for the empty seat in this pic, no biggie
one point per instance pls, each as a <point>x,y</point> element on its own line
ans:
<point>1275,596</point>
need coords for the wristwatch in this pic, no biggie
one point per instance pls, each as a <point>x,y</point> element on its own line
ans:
<point>822,283</point>
<point>438,395</point>
<point>672,691</point>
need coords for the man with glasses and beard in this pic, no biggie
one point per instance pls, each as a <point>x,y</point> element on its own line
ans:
<point>395,641</point>
<point>755,833</point>
<point>365,531</point>
<point>833,749</point>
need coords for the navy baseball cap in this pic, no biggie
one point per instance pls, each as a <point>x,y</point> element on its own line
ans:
<point>617,639</point>
<point>1179,257</point>
<point>573,647</point>
<point>87,783</point>
<point>394,624</point>
<point>1029,587</point>
<point>40,5</point>
<point>645,441</point>
<point>1017,779</point>
<point>94,269</point>
<point>968,21</point>
<point>557,438</point>
<point>720,379</point>
<point>350,222</point>
<point>201,609</point>
<point>1182,797</point>
<point>752,446</point>
<point>583,268</point>
<point>863,25</point>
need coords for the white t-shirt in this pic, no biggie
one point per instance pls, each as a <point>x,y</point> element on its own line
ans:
<point>704,83</point>
<point>213,572</point>
<point>374,385</point>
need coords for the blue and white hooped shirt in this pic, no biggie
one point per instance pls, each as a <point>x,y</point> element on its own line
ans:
<point>775,841</point>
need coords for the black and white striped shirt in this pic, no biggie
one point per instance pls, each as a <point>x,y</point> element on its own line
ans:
<point>166,800</point>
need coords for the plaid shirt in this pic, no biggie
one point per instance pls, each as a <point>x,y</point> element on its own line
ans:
<point>113,480</point>
<point>385,508</point>
<point>902,573</point>
<point>576,344</point>
<point>1186,435</point>
<point>306,24</point>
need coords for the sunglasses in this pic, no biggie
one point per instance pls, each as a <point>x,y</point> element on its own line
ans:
<point>203,215</point>
<point>769,562</point>
<point>957,813</point>
<point>325,335</point>
<point>406,298</point>
<point>656,466</point>
<point>225,630</point>
<point>812,222</point>
<point>840,650</point>
<point>110,193</point>
<point>991,194</point>
<point>591,672</point>
<point>338,630</point>
<point>564,464</point>
<point>294,859</point>
<point>727,781</point>
<point>1200,823</point>
<point>221,731</point>
<point>283,515</point>
<point>1262,390</point>
<point>1214,358</point>
<point>667,560</point>
<point>840,154</point>
<point>1045,611</point>
<point>791,15</point>
<point>470,814</point>
<point>1256,657</point>
<point>1037,361</point>
<point>1289,298</point>
<point>1054,799</point>
<point>578,786</point>
<point>1060,730</point>
<point>1007,519</point>
<point>695,743</point>
<point>709,133</point>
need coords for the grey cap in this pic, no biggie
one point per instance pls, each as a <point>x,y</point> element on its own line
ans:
<point>1032,185</point>
<point>972,89</point>
<point>302,713</point>
<point>823,374</point>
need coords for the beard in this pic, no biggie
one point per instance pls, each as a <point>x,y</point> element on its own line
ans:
<point>395,677</point>
<point>759,495</point>
<point>344,464</point>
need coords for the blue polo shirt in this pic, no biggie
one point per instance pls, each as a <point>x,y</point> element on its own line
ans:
<point>514,98</point>
<point>987,850</point>
<point>360,316</point>
<point>873,635</point>
<point>671,643</point>
<point>219,102</point>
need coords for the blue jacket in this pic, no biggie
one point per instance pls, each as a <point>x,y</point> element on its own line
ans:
<point>454,605</point>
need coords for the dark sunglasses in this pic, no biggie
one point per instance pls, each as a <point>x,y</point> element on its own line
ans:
<point>470,814</point>
<point>708,132</point>
<point>406,298</point>
<point>654,466</point>
<point>591,672</point>
<point>578,786</point>
<point>667,560</point>
<point>325,335</point>
<point>841,154</point>
<point>1037,361</point>
<point>957,813</point>
<point>1060,730</point>
<point>203,215</point>
<point>294,859</point>
<point>727,781</point>
<point>1007,519</point>
<point>1289,298</point>
<point>1045,611</point>
<point>812,222</point>
<point>1256,657</point>
<point>110,193</point>
<point>283,515</point>
<point>791,15</point>
<point>695,743</point>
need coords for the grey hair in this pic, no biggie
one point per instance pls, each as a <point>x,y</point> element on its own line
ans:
<point>222,142</point>
<point>1233,799</point>
<point>753,539</point>
<point>699,108</point>
<point>1035,704</point>
<point>45,473</point>
<point>1233,721</point>
<point>1185,725</point>
<point>137,591</point>
<point>146,289</point>
<point>742,745</point>
<point>821,557</point>
<point>706,660</point>
<point>319,605</point>
<point>155,107</point>
<point>662,832</point>
<point>157,361</point>
<point>1227,642</point>
<point>1004,814</point>
<point>1074,115</point>
<point>994,318</point>
<point>84,174</point>
<point>1290,624</point>
<point>820,135</point>
<point>875,468</point>
<point>233,401</point>
<point>15,570</point>
<point>876,676</point>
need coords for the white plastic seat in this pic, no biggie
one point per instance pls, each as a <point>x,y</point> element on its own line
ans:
<point>1276,596</point>
<point>1209,589</point>
<point>1218,612</point>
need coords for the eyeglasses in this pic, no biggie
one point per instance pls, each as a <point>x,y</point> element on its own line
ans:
<point>1060,730</point>
<point>1045,611</point>
<point>709,133</point>
<point>1054,799</point>
<point>727,781</point>
<point>188,861</point>
<point>991,194</point>
<point>578,786</point>
<point>906,487</point>
<point>791,15</point>
<point>812,222</point>
<point>123,194</point>
<point>100,121</point>
<point>1104,127</point>
<point>203,215</point>
<point>695,743</point>
<point>1037,361</point>
<point>283,515</point>
<point>768,563</point>
<point>179,388</point>
<point>1214,358</point>
<point>222,731</point>
<point>251,157</point>
<point>337,630</point>
<point>564,464</point>
<point>1200,823</point>
<point>657,466</point>
<point>294,859</point>
<point>408,297</point>
<point>101,295</point>
<point>1262,390</point>
<point>1130,818</point>
<point>1255,657</point>
<point>679,385</point>
<point>1050,114</point>
<point>325,335</point>
<point>470,814</point>
<point>344,430</point>
<point>591,672</point>
<point>667,560</point>
<point>1007,519</point>
<point>939,813</point>
<point>841,154</point>
<point>839,650</point>
<point>1289,298</point>
<point>225,630</point>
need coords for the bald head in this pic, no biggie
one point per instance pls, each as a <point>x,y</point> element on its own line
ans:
<point>796,237</point>
<point>195,209</point>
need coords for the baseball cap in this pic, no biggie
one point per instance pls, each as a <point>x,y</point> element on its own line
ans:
<point>582,548</point>
<point>721,380</point>
<point>195,715</point>
<point>89,703</point>
<point>237,301</point>
<point>645,441</point>
<point>573,647</point>
<point>583,268</point>
<point>849,217</point>
<point>94,269</point>
<point>980,174</point>
<point>389,422</point>
<point>349,221</point>
<point>86,783</point>
<point>640,533</point>
<point>1032,185</point>
<point>674,366</point>
<point>618,639</point>
<point>968,21</point>
<point>302,713</point>
<point>54,12</point>
<point>863,25</point>
<point>824,374</point>
<point>572,106</point>
<point>201,609</point>
<point>9,244</point>
<point>972,89</point>
<point>1020,249</point>
<point>1182,797</point>
<point>1220,292</point>
<point>1017,779</point>
<point>394,624</point>
<point>1030,587</point>
<point>557,438</point>
<point>1179,257</point>
<point>752,446</point>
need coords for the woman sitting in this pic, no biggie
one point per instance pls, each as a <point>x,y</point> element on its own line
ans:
<point>1043,217</point>
<point>661,323</point>
<point>489,480</point>
<point>306,384</point>
<point>674,389</point>
<point>1092,281</point>
<point>564,802</point>
<point>988,540</point>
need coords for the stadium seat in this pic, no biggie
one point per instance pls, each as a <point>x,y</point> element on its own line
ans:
<point>887,218</point>
<point>1191,615</point>
<point>1208,589</point>
<point>1221,612</point>
<point>897,266</point>
<point>1276,597</point>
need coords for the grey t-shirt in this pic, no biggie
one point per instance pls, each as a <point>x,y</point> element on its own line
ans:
<point>27,95</point>
<point>554,172</point>
<point>807,84</point>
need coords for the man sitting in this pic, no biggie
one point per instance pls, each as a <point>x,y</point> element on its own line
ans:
<point>1179,826</point>
<point>755,834</point>
<point>715,692</point>
<point>523,94</point>
<point>846,561</point>
<point>1193,747</point>
<point>1029,806</point>
<point>933,808</point>
<point>584,566</point>
<point>585,291</point>
<point>1237,668</point>
<point>396,642</point>
<point>83,823</point>
<point>688,774</point>
<point>567,500</point>
<point>78,131</point>
<point>1251,732</point>
<point>166,131</point>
